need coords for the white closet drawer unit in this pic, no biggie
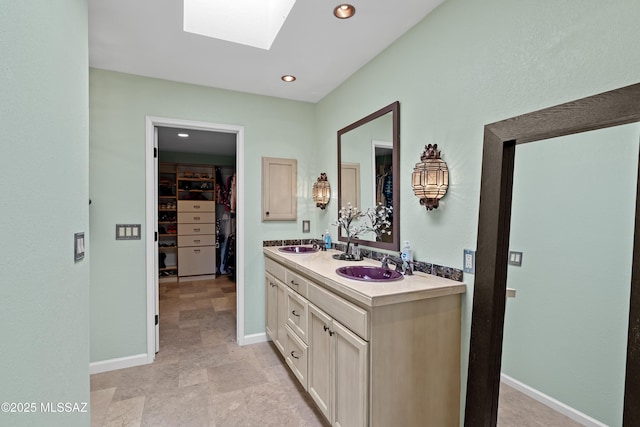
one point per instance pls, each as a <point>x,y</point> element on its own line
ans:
<point>297,318</point>
<point>197,240</point>
<point>195,229</point>
<point>197,260</point>
<point>196,206</point>
<point>196,217</point>
<point>295,354</point>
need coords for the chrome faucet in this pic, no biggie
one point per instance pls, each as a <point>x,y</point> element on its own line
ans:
<point>402,266</point>
<point>319,244</point>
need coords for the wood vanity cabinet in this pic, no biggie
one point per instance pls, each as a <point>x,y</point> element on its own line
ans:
<point>367,360</point>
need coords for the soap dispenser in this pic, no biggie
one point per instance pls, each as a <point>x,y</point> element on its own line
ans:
<point>327,240</point>
<point>407,255</point>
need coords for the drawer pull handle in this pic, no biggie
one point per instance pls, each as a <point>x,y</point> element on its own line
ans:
<point>293,354</point>
<point>294,313</point>
<point>326,328</point>
<point>196,241</point>
<point>196,218</point>
<point>197,230</point>
<point>196,206</point>
<point>294,283</point>
<point>272,285</point>
<point>197,251</point>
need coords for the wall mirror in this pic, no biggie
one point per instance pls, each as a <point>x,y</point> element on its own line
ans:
<point>368,170</point>
<point>617,107</point>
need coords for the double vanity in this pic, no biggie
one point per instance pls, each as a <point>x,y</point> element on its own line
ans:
<point>370,348</point>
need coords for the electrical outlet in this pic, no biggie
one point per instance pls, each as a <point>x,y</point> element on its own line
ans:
<point>469,261</point>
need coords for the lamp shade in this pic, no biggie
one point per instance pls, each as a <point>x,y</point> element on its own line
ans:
<point>430,178</point>
<point>321,191</point>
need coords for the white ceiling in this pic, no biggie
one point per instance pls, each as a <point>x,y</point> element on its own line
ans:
<point>145,37</point>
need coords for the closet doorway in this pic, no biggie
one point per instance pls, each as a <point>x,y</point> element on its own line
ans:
<point>193,165</point>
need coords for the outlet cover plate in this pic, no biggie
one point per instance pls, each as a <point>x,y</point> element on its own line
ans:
<point>469,261</point>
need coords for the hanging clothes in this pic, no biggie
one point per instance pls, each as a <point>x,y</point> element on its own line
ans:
<point>388,190</point>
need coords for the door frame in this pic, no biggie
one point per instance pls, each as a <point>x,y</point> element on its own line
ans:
<point>151,203</point>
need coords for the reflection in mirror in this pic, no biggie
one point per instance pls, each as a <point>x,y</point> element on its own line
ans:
<point>576,259</point>
<point>604,110</point>
<point>368,164</point>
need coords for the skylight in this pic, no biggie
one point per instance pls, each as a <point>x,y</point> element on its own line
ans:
<point>250,22</point>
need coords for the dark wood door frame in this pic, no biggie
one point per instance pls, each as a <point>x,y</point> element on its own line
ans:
<point>617,107</point>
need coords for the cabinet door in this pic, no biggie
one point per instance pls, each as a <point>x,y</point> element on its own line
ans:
<point>271,292</point>
<point>282,316</point>
<point>279,198</point>
<point>320,382</point>
<point>351,378</point>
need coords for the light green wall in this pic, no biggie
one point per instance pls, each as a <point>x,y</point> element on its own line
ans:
<point>118,106</point>
<point>471,63</point>
<point>467,64</point>
<point>573,218</point>
<point>44,296</point>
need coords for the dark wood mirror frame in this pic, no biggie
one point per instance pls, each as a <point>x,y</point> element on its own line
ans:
<point>617,107</point>
<point>393,108</point>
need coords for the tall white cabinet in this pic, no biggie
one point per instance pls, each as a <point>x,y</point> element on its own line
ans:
<point>187,221</point>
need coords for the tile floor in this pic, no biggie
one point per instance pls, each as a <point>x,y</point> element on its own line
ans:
<point>518,409</point>
<point>201,377</point>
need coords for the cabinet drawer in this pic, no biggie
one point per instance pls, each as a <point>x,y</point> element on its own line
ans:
<point>204,240</point>
<point>296,356</point>
<point>296,282</point>
<point>196,260</point>
<point>196,217</point>
<point>350,315</point>
<point>274,268</point>
<point>195,229</point>
<point>196,206</point>
<point>297,318</point>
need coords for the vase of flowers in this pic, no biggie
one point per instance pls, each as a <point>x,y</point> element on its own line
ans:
<point>355,222</point>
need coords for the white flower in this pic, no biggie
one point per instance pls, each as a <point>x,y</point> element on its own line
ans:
<point>375,219</point>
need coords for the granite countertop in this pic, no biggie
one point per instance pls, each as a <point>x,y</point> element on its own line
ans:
<point>320,268</point>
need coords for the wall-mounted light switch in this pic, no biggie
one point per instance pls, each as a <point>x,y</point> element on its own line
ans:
<point>469,261</point>
<point>128,232</point>
<point>515,258</point>
<point>78,246</point>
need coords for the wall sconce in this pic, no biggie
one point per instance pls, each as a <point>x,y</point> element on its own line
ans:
<point>321,191</point>
<point>430,178</point>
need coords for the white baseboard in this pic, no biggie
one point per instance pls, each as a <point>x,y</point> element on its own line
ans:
<point>253,339</point>
<point>549,401</point>
<point>119,363</point>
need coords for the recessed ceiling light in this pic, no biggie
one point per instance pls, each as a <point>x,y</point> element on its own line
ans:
<point>344,11</point>
<point>183,135</point>
<point>288,78</point>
